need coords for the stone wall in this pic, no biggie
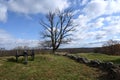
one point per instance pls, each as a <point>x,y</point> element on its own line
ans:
<point>112,69</point>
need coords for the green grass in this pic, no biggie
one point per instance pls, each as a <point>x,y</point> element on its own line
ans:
<point>102,57</point>
<point>47,67</point>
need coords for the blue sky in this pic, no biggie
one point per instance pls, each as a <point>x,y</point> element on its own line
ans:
<point>98,20</point>
<point>19,26</point>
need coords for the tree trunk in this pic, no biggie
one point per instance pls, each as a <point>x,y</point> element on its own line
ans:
<point>53,51</point>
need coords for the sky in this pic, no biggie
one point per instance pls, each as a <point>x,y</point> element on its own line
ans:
<point>98,21</point>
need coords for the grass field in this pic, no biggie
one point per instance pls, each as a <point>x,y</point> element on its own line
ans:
<point>102,57</point>
<point>47,67</point>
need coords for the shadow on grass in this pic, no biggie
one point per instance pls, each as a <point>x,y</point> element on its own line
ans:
<point>104,76</point>
<point>20,60</point>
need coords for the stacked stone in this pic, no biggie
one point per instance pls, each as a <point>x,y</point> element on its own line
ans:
<point>112,69</point>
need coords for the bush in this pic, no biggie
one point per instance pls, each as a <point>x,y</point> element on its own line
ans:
<point>111,47</point>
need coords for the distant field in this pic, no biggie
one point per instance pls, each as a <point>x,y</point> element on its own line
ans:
<point>47,67</point>
<point>102,57</point>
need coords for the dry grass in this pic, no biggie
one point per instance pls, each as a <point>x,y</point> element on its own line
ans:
<point>47,67</point>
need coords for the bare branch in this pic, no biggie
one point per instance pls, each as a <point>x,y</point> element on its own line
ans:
<point>60,26</point>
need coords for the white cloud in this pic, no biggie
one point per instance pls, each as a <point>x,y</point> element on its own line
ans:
<point>3,13</point>
<point>37,6</point>
<point>114,20</point>
<point>84,2</point>
<point>9,42</point>
<point>112,30</point>
<point>95,8</point>
<point>81,21</point>
<point>4,34</point>
<point>30,6</point>
<point>23,42</point>
<point>113,25</point>
<point>80,2</point>
<point>113,6</point>
<point>97,22</point>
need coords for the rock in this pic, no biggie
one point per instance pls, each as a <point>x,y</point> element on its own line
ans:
<point>114,74</point>
<point>112,69</point>
<point>110,65</point>
<point>95,63</point>
<point>82,60</point>
<point>75,58</point>
<point>68,56</point>
<point>102,65</point>
<point>119,66</point>
<point>65,54</point>
<point>71,56</point>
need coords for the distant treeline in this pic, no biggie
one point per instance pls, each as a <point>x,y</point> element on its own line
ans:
<point>110,47</point>
<point>42,51</point>
<point>110,50</point>
<point>13,52</point>
<point>77,50</point>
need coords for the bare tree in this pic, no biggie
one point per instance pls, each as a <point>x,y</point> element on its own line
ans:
<point>111,42</point>
<point>44,44</point>
<point>58,28</point>
<point>111,47</point>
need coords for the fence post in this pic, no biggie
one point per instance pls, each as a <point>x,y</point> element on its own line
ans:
<point>26,57</point>
<point>33,55</point>
<point>16,56</point>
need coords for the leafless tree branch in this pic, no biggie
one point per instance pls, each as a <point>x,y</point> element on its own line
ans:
<point>59,26</point>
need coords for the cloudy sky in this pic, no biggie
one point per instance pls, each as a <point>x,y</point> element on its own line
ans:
<point>99,21</point>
